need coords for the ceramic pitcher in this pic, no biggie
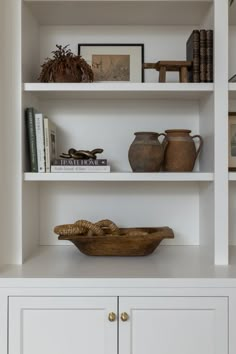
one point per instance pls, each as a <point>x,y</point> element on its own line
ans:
<point>181,152</point>
<point>146,153</point>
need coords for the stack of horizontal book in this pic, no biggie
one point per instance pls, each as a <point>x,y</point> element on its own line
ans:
<point>80,165</point>
<point>199,50</point>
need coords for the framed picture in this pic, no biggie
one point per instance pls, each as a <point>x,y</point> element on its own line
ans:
<point>232,141</point>
<point>114,62</point>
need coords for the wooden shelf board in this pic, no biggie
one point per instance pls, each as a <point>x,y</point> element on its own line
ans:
<point>134,12</point>
<point>232,176</point>
<point>119,90</point>
<point>121,176</point>
<point>232,90</point>
<point>182,263</point>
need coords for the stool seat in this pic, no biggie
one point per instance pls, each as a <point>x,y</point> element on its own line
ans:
<point>163,66</point>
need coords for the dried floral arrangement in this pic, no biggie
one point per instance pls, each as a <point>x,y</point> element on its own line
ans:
<point>65,67</point>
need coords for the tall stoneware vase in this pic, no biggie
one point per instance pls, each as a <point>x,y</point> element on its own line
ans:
<point>181,152</point>
<point>146,153</point>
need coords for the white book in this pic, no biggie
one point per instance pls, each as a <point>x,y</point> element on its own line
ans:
<point>56,168</point>
<point>40,146</point>
<point>50,138</point>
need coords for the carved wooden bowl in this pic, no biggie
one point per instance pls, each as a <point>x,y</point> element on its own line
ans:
<point>129,241</point>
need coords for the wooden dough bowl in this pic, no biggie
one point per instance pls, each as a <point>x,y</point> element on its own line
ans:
<point>129,242</point>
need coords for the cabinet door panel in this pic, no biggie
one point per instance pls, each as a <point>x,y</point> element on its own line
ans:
<point>62,325</point>
<point>174,325</point>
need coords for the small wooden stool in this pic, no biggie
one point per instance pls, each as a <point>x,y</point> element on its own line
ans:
<point>163,66</point>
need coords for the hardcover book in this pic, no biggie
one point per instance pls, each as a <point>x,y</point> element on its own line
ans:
<point>193,54</point>
<point>203,55</point>
<point>50,137</point>
<point>209,56</point>
<point>55,168</point>
<point>39,129</point>
<point>31,137</point>
<point>80,162</point>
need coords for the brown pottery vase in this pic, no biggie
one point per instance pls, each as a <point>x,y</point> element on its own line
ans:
<point>181,152</point>
<point>146,153</point>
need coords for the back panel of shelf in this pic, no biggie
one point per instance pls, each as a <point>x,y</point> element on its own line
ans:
<point>110,124</point>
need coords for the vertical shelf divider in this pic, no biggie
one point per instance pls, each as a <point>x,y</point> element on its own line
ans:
<point>221,248</point>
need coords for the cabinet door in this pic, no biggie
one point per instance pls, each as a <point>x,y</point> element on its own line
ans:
<point>174,325</point>
<point>62,325</point>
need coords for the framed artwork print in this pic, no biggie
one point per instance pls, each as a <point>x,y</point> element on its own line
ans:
<point>232,141</point>
<point>114,62</point>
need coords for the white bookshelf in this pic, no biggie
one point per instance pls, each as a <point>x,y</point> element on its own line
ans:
<point>120,90</point>
<point>107,115</point>
<point>121,176</point>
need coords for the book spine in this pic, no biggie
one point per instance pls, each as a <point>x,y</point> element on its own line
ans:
<point>193,54</point>
<point>233,79</point>
<point>55,169</point>
<point>80,162</point>
<point>46,141</point>
<point>30,126</point>
<point>40,141</point>
<point>209,56</point>
<point>203,56</point>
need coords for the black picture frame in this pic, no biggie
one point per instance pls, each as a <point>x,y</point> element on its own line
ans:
<point>127,61</point>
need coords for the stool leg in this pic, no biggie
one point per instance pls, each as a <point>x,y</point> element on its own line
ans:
<point>183,74</point>
<point>162,74</point>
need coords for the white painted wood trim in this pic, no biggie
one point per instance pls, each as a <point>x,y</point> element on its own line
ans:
<point>3,323</point>
<point>116,90</point>
<point>117,86</point>
<point>221,131</point>
<point>121,176</point>
<point>120,0</point>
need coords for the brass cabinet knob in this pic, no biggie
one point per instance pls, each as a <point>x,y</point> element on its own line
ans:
<point>124,317</point>
<point>112,317</point>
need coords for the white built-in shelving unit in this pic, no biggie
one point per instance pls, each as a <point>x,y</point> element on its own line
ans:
<point>106,115</point>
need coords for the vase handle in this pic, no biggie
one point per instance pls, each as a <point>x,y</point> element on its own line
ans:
<point>200,145</point>
<point>165,141</point>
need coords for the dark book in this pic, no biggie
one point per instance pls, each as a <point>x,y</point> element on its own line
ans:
<point>209,56</point>
<point>203,55</point>
<point>31,138</point>
<point>80,162</point>
<point>193,54</point>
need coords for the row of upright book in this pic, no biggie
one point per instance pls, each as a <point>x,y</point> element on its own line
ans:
<point>199,50</point>
<point>42,140</point>
<point>41,135</point>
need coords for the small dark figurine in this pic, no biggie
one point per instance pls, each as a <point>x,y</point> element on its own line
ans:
<point>81,154</point>
<point>65,67</point>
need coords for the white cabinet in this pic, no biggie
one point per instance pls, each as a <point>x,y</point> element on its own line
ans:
<point>167,325</point>
<point>62,325</point>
